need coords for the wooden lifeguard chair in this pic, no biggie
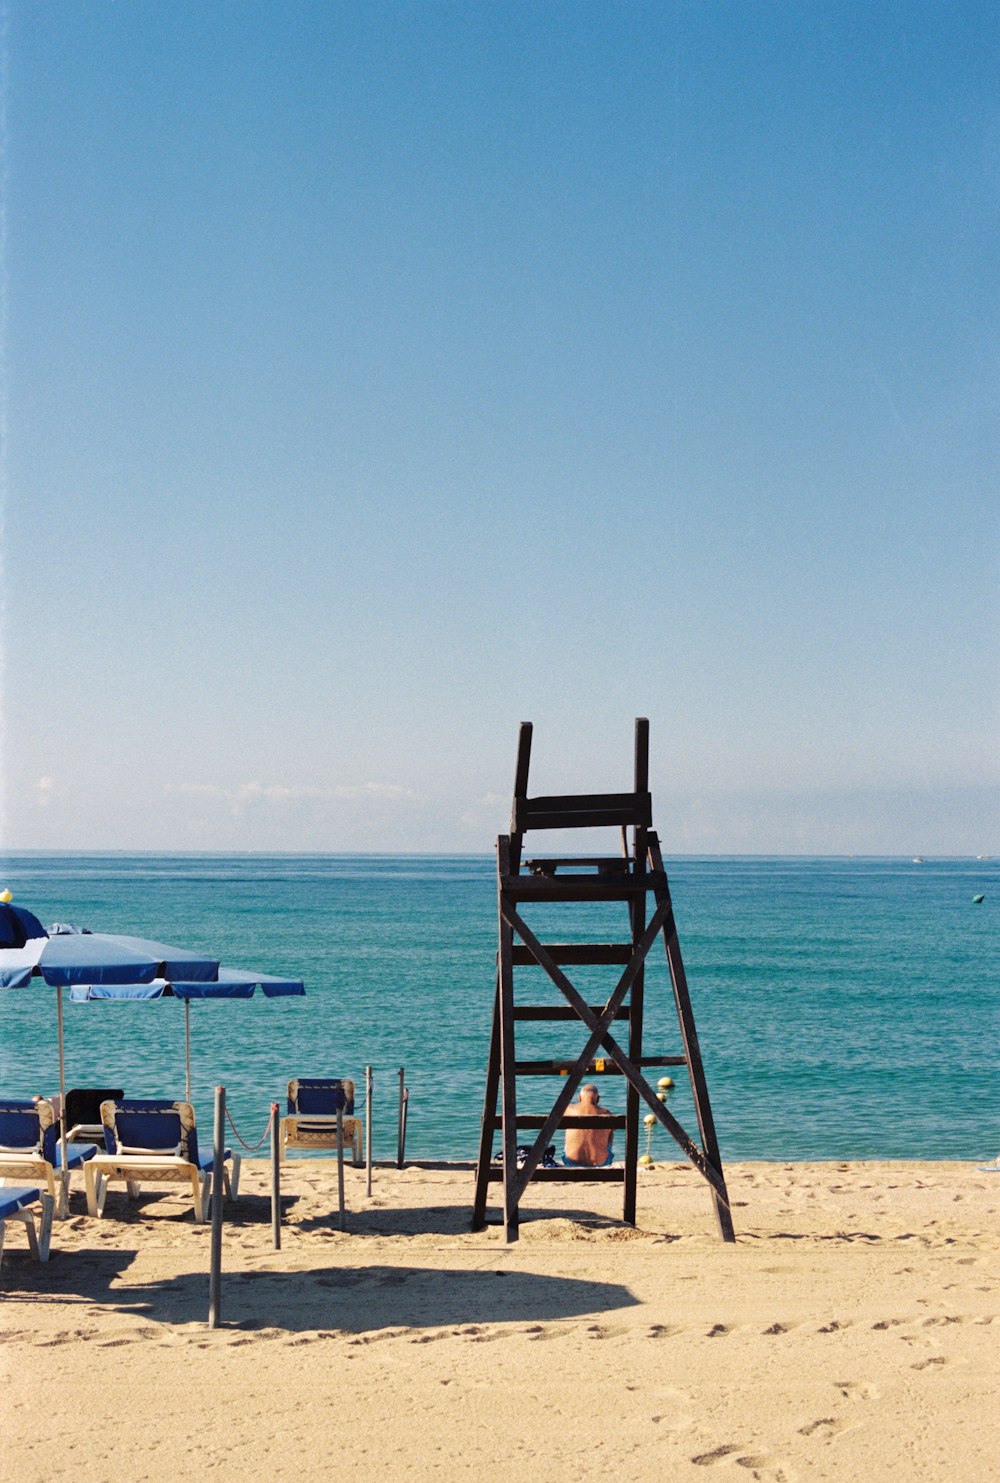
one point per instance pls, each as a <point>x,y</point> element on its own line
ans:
<point>631,878</point>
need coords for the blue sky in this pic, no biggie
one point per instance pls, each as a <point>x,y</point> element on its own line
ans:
<point>381,375</point>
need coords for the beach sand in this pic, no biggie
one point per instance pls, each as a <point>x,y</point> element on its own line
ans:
<point>851,1332</point>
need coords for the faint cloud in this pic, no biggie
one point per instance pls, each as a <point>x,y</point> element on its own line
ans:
<point>45,791</point>
<point>247,795</point>
<point>483,807</point>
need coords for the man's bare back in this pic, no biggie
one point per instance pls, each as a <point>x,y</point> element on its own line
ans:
<point>590,1146</point>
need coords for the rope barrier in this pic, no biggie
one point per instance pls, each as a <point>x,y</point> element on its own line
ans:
<point>250,1147</point>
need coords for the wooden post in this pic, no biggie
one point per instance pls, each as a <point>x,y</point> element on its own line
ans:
<point>275,1178</point>
<point>215,1266</point>
<point>508,1094</point>
<point>368,1131</point>
<point>696,1070</point>
<point>489,1113</point>
<point>637,918</point>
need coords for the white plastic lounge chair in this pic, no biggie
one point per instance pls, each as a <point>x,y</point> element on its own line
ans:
<point>314,1104</point>
<point>155,1141</point>
<point>14,1203</point>
<point>29,1148</point>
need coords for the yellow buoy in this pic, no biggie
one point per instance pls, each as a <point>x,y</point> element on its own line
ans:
<point>665,1083</point>
<point>6,895</point>
<point>661,1096</point>
<point>646,1159</point>
<point>649,1119</point>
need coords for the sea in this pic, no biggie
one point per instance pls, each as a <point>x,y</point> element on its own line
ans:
<point>846,1008</point>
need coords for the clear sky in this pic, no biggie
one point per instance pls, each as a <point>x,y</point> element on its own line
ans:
<point>378,375</point>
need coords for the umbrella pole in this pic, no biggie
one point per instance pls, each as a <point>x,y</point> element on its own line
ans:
<point>187,1050</point>
<point>64,1173</point>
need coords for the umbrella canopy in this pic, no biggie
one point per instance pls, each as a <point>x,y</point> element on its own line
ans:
<point>232,983</point>
<point>68,955</point>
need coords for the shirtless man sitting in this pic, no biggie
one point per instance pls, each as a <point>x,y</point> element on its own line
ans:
<point>588,1148</point>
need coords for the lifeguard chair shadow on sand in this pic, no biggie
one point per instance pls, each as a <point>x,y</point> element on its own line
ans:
<point>630,878</point>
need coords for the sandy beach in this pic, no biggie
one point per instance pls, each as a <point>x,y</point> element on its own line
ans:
<point>851,1332</point>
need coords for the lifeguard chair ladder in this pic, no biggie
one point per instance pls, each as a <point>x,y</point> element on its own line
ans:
<point>629,878</point>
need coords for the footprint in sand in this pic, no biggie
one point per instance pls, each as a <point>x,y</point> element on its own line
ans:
<point>717,1330</point>
<point>766,1469</point>
<point>935,1360</point>
<point>824,1426</point>
<point>705,1459</point>
<point>854,1390</point>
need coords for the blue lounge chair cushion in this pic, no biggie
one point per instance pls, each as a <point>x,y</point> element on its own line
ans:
<point>77,1154</point>
<point>19,1128</point>
<point>155,1123</point>
<point>25,1125</point>
<point>15,1198</point>
<point>323,1096</point>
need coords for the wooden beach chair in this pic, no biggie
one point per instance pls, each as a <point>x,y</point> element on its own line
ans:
<point>315,1104</point>
<point>15,1204</point>
<point>155,1141</point>
<point>30,1148</point>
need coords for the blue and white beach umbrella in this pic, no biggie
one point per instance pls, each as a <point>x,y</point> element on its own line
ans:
<point>98,966</point>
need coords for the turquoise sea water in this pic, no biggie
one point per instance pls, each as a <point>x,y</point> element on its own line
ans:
<point>847,1008</point>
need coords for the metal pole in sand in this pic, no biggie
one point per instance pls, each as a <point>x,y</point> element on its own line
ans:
<point>401,1132</point>
<point>63,1209</point>
<point>187,1050</point>
<point>275,1178</point>
<point>402,1139</point>
<point>215,1268</point>
<point>340,1167</point>
<point>368,1131</point>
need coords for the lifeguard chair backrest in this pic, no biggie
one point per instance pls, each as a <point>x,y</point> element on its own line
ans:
<point>582,810</point>
<point>28,1127</point>
<point>322,1096</point>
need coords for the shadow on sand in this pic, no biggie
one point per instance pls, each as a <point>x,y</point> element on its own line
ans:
<point>346,1299</point>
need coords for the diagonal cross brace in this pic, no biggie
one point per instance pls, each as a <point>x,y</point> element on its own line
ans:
<point>599,1026</point>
